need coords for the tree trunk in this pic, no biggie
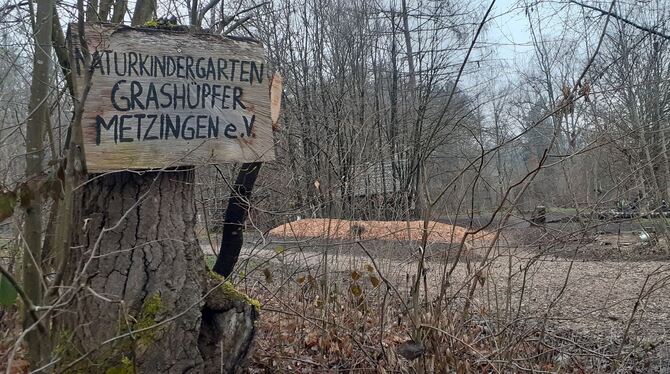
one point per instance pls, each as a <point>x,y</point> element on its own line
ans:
<point>36,122</point>
<point>145,283</point>
<point>236,214</point>
<point>144,10</point>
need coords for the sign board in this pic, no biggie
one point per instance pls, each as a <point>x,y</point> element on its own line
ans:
<point>162,98</point>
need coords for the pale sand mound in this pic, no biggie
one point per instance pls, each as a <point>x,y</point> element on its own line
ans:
<point>367,230</point>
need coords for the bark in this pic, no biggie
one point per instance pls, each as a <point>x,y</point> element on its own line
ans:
<point>416,161</point>
<point>144,275</point>
<point>666,162</point>
<point>227,327</point>
<point>120,7</point>
<point>144,11</point>
<point>38,119</point>
<point>92,11</point>
<point>105,9</point>
<point>143,299</point>
<point>60,47</point>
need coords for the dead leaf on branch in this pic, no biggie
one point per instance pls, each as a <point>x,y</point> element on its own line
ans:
<point>7,204</point>
<point>356,290</point>
<point>268,275</point>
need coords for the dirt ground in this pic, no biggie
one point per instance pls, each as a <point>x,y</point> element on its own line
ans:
<point>591,291</point>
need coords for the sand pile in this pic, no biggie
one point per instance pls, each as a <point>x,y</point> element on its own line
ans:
<point>368,230</point>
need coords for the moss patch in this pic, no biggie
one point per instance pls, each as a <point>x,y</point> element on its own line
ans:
<point>126,367</point>
<point>150,309</point>
<point>228,291</point>
<point>110,359</point>
<point>152,306</point>
<point>232,293</point>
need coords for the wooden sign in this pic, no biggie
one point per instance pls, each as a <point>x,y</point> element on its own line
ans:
<point>162,98</point>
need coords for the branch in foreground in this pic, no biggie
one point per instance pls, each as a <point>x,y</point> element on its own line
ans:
<point>622,19</point>
<point>30,307</point>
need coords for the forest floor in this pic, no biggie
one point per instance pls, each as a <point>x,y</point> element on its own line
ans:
<point>600,292</point>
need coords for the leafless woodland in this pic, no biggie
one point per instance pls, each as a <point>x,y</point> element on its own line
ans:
<point>550,153</point>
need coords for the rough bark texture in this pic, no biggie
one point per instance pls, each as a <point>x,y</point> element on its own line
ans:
<point>227,329</point>
<point>37,121</point>
<point>147,269</point>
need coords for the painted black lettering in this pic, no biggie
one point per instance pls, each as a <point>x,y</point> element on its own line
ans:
<point>170,66</point>
<point>211,71</point>
<point>189,67</point>
<point>135,92</point>
<point>96,62</point>
<point>152,117</point>
<point>206,91</point>
<point>122,128</point>
<point>159,65</point>
<point>187,132</point>
<point>222,69</point>
<point>237,96</point>
<point>167,95</point>
<point>199,69</point>
<point>249,125</point>
<point>193,92</point>
<point>162,129</point>
<point>229,131</point>
<point>124,99</point>
<point>224,97</point>
<point>169,126</point>
<point>107,62</point>
<point>100,124</point>
<point>144,66</point>
<point>132,61</point>
<point>256,73</point>
<point>232,69</point>
<point>179,100</point>
<point>116,65</point>
<point>215,94</point>
<point>199,125</point>
<point>152,96</point>
<point>244,73</point>
<point>213,129</point>
<point>180,67</point>
<point>139,117</point>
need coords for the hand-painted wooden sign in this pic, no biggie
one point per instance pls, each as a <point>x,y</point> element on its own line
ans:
<point>161,98</point>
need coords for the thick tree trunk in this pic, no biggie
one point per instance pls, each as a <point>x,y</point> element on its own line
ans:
<point>144,275</point>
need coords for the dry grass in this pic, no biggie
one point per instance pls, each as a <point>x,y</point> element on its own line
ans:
<point>326,309</point>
